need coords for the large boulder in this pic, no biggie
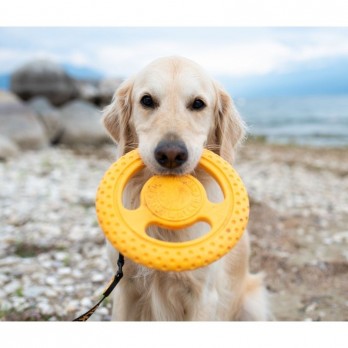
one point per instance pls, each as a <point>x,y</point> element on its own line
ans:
<point>82,124</point>
<point>99,92</point>
<point>106,90</point>
<point>88,91</point>
<point>20,124</point>
<point>43,77</point>
<point>49,116</point>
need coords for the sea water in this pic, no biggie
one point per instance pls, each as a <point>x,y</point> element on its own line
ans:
<point>305,120</point>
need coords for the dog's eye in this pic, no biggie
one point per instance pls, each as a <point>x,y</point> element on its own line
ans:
<point>147,101</point>
<point>198,104</point>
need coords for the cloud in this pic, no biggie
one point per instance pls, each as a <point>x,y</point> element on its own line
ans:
<point>229,59</point>
<point>233,59</point>
<point>11,59</point>
<point>76,58</point>
<point>222,51</point>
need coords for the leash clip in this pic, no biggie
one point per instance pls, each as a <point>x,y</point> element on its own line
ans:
<point>118,276</point>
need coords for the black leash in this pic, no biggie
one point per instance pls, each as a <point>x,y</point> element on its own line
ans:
<point>118,276</point>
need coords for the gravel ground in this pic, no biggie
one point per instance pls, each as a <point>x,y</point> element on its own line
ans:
<point>299,228</point>
<point>53,262</point>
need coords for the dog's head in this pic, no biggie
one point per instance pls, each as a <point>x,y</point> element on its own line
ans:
<point>171,110</point>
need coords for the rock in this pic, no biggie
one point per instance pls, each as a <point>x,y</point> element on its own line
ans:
<point>69,289</point>
<point>49,116</point>
<point>106,90</point>
<point>98,92</point>
<point>64,271</point>
<point>12,287</point>
<point>45,308</point>
<point>72,305</point>
<point>20,124</point>
<point>43,77</point>
<point>8,148</point>
<point>61,256</point>
<point>86,302</point>
<point>50,292</point>
<point>97,277</point>
<point>51,280</point>
<point>340,237</point>
<point>88,91</point>
<point>3,279</point>
<point>82,124</point>
<point>86,199</point>
<point>19,218</point>
<point>33,291</point>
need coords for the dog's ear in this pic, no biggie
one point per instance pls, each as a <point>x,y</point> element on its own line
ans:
<point>229,129</point>
<point>117,118</point>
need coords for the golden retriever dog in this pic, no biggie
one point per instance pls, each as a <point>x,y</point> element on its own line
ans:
<point>171,110</point>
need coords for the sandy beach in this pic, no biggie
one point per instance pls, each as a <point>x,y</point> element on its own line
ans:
<point>53,262</point>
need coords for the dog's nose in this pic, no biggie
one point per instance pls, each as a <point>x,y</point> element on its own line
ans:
<point>171,154</point>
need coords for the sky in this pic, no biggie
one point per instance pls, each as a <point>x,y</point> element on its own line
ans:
<point>231,53</point>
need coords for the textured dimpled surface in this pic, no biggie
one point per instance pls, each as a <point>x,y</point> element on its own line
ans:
<point>173,202</point>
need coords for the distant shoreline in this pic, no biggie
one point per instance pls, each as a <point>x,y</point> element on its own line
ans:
<point>263,140</point>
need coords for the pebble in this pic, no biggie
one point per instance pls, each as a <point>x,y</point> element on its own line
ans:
<point>76,273</point>
<point>45,308</point>
<point>340,237</point>
<point>50,292</point>
<point>86,199</point>
<point>86,302</point>
<point>50,280</point>
<point>311,307</point>
<point>98,278</point>
<point>328,240</point>
<point>20,301</point>
<point>33,291</point>
<point>9,261</point>
<point>19,219</point>
<point>12,287</point>
<point>3,279</point>
<point>61,256</point>
<point>66,281</point>
<point>64,271</point>
<point>69,289</point>
<point>72,306</point>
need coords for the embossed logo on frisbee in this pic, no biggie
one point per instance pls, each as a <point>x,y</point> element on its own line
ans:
<point>173,198</point>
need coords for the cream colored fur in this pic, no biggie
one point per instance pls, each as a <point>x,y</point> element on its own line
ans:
<point>224,290</point>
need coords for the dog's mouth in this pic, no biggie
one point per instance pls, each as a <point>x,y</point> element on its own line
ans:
<point>186,168</point>
<point>171,171</point>
<point>171,157</point>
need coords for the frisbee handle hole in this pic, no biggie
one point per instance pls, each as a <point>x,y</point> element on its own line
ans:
<point>182,235</point>
<point>131,192</point>
<point>213,188</point>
